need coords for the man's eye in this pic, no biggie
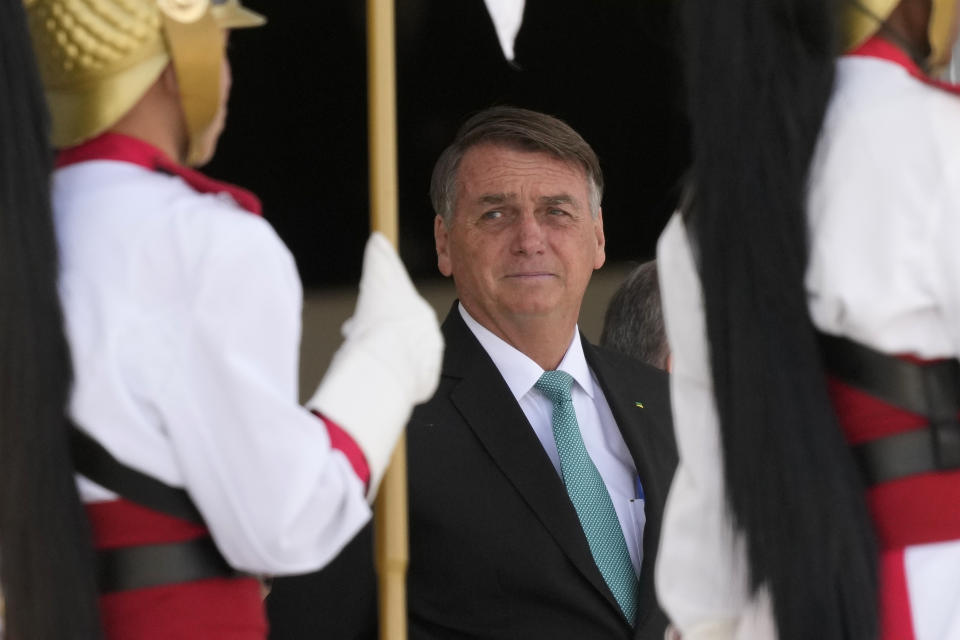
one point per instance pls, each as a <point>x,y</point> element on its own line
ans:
<point>557,212</point>
<point>492,215</point>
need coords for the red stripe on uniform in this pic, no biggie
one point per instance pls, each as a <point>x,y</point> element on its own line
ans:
<point>342,442</point>
<point>877,47</point>
<point>121,523</point>
<point>199,610</point>
<point>896,622</point>
<point>865,417</point>
<point>916,510</point>
<point>122,148</point>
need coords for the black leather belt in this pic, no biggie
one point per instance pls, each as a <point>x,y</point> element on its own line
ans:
<point>931,390</point>
<point>909,453</point>
<point>160,564</point>
<point>146,565</point>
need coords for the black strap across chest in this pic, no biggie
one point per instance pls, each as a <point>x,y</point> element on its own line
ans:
<point>93,461</point>
<point>146,565</point>
<point>931,390</point>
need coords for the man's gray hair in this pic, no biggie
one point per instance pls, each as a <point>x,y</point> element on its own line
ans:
<point>521,130</point>
<point>634,320</point>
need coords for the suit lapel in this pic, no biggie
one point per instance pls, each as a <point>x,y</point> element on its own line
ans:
<point>630,418</point>
<point>490,410</point>
<point>632,421</point>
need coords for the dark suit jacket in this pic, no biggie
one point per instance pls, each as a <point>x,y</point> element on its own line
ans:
<point>496,550</point>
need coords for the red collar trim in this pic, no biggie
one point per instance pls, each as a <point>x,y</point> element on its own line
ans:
<point>121,148</point>
<point>877,47</point>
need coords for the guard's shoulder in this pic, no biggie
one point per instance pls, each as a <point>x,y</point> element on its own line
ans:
<point>214,237</point>
<point>212,220</point>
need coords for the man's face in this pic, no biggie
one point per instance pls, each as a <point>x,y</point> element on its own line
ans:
<point>522,243</point>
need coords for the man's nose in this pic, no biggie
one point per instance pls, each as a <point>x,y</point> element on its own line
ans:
<point>529,234</point>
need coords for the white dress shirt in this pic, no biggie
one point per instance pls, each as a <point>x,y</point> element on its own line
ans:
<point>601,436</point>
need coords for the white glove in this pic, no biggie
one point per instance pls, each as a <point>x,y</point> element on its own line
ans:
<point>389,361</point>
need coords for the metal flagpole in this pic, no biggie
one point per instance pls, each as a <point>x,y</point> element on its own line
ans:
<point>390,526</point>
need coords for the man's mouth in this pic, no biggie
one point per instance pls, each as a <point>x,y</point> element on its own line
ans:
<point>530,275</point>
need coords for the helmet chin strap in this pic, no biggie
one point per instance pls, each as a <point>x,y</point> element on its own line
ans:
<point>893,34</point>
<point>196,49</point>
<point>921,58</point>
<point>941,34</point>
<point>952,73</point>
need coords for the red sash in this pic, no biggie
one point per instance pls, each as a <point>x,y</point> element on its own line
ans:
<point>915,509</point>
<point>203,609</point>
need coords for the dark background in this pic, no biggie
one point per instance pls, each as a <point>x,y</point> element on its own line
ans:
<point>297,125</point>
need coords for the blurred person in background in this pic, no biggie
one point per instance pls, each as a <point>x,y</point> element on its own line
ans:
<point>633,323</point>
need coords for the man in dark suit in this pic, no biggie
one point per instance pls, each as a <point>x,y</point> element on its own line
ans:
<point>523,525</point>
<point>499,548</point>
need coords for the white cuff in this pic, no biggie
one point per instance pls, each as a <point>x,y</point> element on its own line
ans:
<point>366,402</point>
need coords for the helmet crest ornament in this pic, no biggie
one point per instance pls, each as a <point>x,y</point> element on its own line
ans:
<point>99,57</point>
<point>185,11</point>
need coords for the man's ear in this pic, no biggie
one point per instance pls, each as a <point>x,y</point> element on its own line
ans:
<point>601,240</point>
<point>441,239</point>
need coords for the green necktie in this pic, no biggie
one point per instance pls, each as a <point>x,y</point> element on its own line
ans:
<point>589,495</point>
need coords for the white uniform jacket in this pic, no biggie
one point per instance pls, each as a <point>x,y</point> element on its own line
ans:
<point>884,270</point>
<point>183,316</point>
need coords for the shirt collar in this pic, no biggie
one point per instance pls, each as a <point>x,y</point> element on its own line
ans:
<point>122,148</point>
<point>877,47</point>
<point>519,371</point>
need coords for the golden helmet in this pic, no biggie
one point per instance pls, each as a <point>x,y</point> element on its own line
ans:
<point>98,58</point>
<point>862,18</point>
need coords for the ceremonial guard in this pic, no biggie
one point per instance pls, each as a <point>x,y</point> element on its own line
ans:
<point>811,291</point>
<point>197,468</point>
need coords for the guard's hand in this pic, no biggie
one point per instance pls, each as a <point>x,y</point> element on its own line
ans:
<point>389,361</point>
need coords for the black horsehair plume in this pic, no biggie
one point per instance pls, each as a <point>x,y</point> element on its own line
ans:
<point>760,75</point>
<point>46,563</point>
